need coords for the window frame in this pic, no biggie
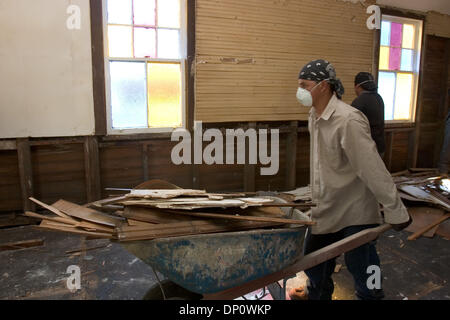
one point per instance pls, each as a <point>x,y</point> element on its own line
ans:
<point>417,61</point>
<point>183,65</point>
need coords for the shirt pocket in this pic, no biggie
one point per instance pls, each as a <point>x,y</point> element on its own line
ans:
<point>332,156</point>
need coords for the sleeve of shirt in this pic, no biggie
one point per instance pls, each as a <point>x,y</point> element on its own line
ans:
<point>362,154</point>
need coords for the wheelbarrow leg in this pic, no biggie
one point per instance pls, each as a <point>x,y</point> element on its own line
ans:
<point>277,291</point>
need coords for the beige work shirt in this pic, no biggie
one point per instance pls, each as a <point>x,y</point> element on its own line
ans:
<point>348,177</point>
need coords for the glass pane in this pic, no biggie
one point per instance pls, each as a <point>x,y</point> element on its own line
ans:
<point>144,43</point>
<point>119,41</point>
<point>168,44</point>
<point>408,36</point>
<point>385,33</point>
<point>396,34</point>
<point>407,60</point>
<point>403,94</point>
<point>128,94</point>
<point>169,13</point>
<point>394,58</point>
<point>386,88</point>
<point>119,11</point>
<point>144,12</point>
<point>384,58</point>
<point>164,95</point>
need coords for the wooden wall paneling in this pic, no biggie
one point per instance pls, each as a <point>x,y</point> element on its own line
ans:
<point>275,182</point>
<point>443,105</point>
<point>291,156</point>
<point>191,66</point>
<point>249,54</point>
<point>59,172</point>
<point>10,186</point>
<point>145,174</point>
<point>98,66</point>
<point>121,166</point>
<point>160,165</point>
<point>25,172</point>
<point>92,169</point>
<point>419,105</point>
<point>399,160</point>
<point>249,169</point>
<point>388,154</point>
<point>302,158</point>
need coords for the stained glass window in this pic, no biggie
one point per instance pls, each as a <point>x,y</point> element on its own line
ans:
<point>144,41</point>
<point>398,66</point>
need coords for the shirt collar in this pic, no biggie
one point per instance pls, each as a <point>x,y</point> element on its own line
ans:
<point>329,109</point>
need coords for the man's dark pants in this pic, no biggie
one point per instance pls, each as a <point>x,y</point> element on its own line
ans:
<point>320,283</point>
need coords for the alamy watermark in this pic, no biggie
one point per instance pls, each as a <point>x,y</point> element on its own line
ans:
<point>73,282</point>
<point>73,22</point>
<point>214,152</point>
<point>374,280</point>
<point>374,21</point>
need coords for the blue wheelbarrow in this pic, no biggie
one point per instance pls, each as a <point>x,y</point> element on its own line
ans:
<point>229,265</point>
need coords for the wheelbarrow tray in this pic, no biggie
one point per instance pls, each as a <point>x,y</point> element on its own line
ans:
<point>210,263</point>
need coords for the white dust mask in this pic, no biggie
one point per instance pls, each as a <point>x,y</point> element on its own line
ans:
<point>304,96</point>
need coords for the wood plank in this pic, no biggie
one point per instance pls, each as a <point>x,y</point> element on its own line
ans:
<point>145,174</point>
<point>88,214</point>
<point>50,208</point>
<point>240,217</point>
<point>249,169</point>
<point>151,215</point>
<point>419,105</point>
<point>55,226</point>
<point>191,66</point>
<point>70,221</point>
<point>189,228</point>
<point>291,156</point>
<point>8,145</point>
<point>25,172</point>
<point>417,234</point>
<point>98,66</point>
<point>16,245</point>
<point>92,169</point>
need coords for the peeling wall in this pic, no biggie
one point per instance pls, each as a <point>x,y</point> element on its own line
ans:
<point>46,70</point>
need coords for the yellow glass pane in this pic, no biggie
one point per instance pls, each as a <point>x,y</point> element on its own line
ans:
<point>384,58</point>
<point>408,36</point>
<point>403,96</point>
<point>164,95</point>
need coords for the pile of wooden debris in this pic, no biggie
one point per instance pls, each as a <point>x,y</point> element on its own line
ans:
<point>427,194</point>
<point>150,213</point>
<point>423,185</point>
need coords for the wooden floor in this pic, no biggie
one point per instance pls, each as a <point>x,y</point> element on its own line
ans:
<point>411,269</point>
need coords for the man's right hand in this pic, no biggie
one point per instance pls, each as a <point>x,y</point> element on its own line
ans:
<point>401,226</point>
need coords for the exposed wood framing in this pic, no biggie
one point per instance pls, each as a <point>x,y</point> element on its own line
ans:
<point>98,66</point>
<point>388,154</point>
<point>190,76</point>
<point>92,169</point>
<point>419,107</point>
<point>442,106</point>
<point>145,162</point>
<point>249,169</point>
<point>291,156</point>
<point>25,172</point>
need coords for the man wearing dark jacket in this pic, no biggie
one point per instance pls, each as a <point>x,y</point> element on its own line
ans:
<point>371,104</point>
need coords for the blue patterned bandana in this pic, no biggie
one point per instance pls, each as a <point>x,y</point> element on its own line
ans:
<point>319,70</point>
